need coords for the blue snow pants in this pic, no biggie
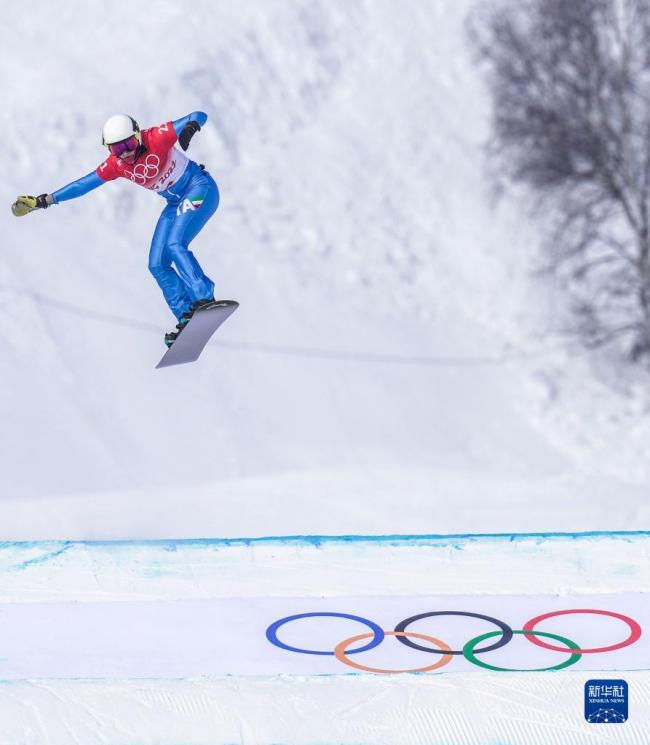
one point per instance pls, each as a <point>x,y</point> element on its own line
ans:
<point>191,204</point>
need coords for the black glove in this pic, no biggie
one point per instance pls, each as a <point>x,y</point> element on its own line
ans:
<point>190,129</point>
<point>41,202</point>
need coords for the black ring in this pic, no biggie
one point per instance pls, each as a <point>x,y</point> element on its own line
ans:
<point>401,627</point>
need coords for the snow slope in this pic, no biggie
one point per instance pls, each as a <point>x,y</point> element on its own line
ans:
<point>387,320</point>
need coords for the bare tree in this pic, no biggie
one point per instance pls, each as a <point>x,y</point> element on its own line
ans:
<point>570,81</point>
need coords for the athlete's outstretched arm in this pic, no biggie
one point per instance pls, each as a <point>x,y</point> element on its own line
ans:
<point>200,117</point>
<point>186,127</point>
<point>77,188</point>
<point>25,204</point>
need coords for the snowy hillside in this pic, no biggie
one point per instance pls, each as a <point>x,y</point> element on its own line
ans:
<point>389,340</point>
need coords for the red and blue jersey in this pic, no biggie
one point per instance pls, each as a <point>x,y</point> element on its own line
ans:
<point>158,168</point>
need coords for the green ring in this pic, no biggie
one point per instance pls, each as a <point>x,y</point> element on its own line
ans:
<point>468,652</point>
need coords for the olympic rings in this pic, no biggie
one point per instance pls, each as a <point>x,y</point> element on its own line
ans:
<point>145,171</point>
<point>272,632</point>
<point>468,651</point>
<point>505,629</point>
<point>339,653</point>
<point>635,629</point>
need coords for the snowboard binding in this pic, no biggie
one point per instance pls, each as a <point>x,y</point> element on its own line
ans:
<point>171,337</point>
<point>187,342</point>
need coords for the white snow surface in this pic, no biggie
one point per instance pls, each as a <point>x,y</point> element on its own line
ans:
<point>393,367</point>
<point>420,710</point>
<point>223,594</point>
<point>390,336</point>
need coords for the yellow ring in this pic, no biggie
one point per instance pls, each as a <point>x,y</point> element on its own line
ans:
<point>339,652</point>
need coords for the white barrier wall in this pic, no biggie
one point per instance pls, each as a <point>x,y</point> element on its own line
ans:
<point>297,640</point>
<point>323,636</point>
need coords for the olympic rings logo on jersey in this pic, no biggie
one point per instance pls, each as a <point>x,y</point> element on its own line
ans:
<point>144,172</point>
<point>469,651</point>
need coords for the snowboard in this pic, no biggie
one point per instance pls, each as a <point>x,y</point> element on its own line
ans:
<point>196,334</point>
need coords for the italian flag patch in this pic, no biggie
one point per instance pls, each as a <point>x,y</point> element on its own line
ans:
<point>189,205</point>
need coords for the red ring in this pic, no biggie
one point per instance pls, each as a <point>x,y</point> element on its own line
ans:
<point>633,637</point>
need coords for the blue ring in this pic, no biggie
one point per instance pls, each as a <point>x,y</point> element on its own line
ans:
<point>272,632</point>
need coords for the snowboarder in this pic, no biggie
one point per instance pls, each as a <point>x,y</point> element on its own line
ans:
<point>148,158</point>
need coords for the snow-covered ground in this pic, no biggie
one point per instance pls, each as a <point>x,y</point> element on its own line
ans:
<point>388,321</point>
<point>168,642</point>
<point>393,367</point>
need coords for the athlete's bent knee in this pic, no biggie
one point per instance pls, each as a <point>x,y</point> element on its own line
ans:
<point>156,268</point>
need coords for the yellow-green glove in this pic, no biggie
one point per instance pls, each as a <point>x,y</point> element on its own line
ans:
<point>25,204</point>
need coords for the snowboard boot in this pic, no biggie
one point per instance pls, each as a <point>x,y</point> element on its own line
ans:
<point>171,337</point>
<point>200,304</point>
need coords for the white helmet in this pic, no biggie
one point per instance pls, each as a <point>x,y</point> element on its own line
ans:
<point>119,127</point>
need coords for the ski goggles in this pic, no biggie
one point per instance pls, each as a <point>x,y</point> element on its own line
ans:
<point>125,146</point>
